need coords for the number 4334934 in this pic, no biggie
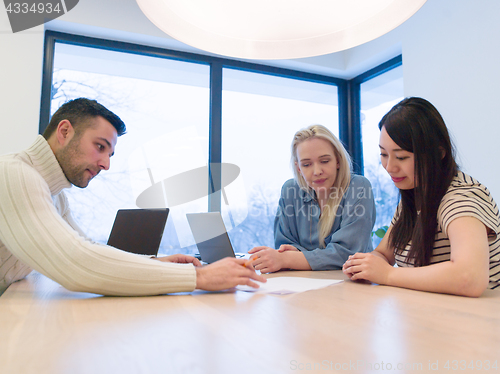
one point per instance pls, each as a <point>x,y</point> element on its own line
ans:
<point>25,8</point>
<point>471,365</point>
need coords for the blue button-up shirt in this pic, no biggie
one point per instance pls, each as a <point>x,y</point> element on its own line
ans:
<point>297,219</point>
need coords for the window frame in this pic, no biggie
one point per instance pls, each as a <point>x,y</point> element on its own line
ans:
<point>355,145</point>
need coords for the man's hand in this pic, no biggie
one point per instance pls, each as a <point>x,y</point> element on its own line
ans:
<point>226,273</point>
<point>180,259</point>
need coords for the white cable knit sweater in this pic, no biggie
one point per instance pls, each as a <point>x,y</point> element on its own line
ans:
<point>37,232</point>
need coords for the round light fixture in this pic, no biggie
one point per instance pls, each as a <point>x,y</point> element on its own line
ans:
<point>277,29</point>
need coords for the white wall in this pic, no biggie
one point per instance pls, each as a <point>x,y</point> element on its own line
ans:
<point>449,49</point>
<point>20,84</point>
<point>451,58</point>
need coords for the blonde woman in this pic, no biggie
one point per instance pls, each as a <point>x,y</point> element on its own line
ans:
<point>325,213</point>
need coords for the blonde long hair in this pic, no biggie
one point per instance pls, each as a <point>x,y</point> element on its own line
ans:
<point>341,182</point>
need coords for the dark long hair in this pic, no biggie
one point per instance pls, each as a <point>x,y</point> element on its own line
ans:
<point>416,126</point>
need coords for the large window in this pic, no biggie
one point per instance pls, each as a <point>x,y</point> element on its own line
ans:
<point>378,95</point>
<point>189,112</point>
<point>183,112</point>
<point>260,115</point>
<point>165,106</point>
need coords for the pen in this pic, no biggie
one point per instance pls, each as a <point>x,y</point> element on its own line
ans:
<point>249,261</point>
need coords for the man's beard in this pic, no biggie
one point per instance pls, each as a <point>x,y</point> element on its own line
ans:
<point>68,160</point>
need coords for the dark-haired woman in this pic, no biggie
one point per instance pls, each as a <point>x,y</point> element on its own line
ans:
<point>445,234</point>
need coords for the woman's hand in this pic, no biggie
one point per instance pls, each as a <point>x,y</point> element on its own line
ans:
<point>266,259</point>
<point>287,247</point>
<point>367,266</point>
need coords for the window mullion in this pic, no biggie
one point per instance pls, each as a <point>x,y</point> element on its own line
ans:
<point>215,137</point>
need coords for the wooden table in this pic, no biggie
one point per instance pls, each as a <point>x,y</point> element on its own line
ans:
<point>347,327</point>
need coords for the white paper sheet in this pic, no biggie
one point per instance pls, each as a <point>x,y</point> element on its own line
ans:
<point>288,285</point>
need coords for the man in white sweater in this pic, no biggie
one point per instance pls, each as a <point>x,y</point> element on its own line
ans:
<point>37,231</point>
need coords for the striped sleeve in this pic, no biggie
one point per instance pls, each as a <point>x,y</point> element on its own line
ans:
<point>396,214</point>
<point>469,198</point>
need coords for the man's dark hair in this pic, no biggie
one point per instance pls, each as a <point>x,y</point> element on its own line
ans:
<point>78,112</point>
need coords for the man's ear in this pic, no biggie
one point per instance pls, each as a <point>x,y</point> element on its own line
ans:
<point>64,132</point>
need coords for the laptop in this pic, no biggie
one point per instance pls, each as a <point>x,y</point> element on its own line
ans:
<point>211,236</point>
<point>138,230</point>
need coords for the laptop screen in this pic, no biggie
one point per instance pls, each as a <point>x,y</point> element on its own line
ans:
<point>138,230</point>
<point>210,235</point>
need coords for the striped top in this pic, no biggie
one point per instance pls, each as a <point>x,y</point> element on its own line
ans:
<point>37,232</point>
<point>466,197</point>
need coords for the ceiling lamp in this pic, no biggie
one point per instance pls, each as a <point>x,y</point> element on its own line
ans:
<point>277,29</point>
